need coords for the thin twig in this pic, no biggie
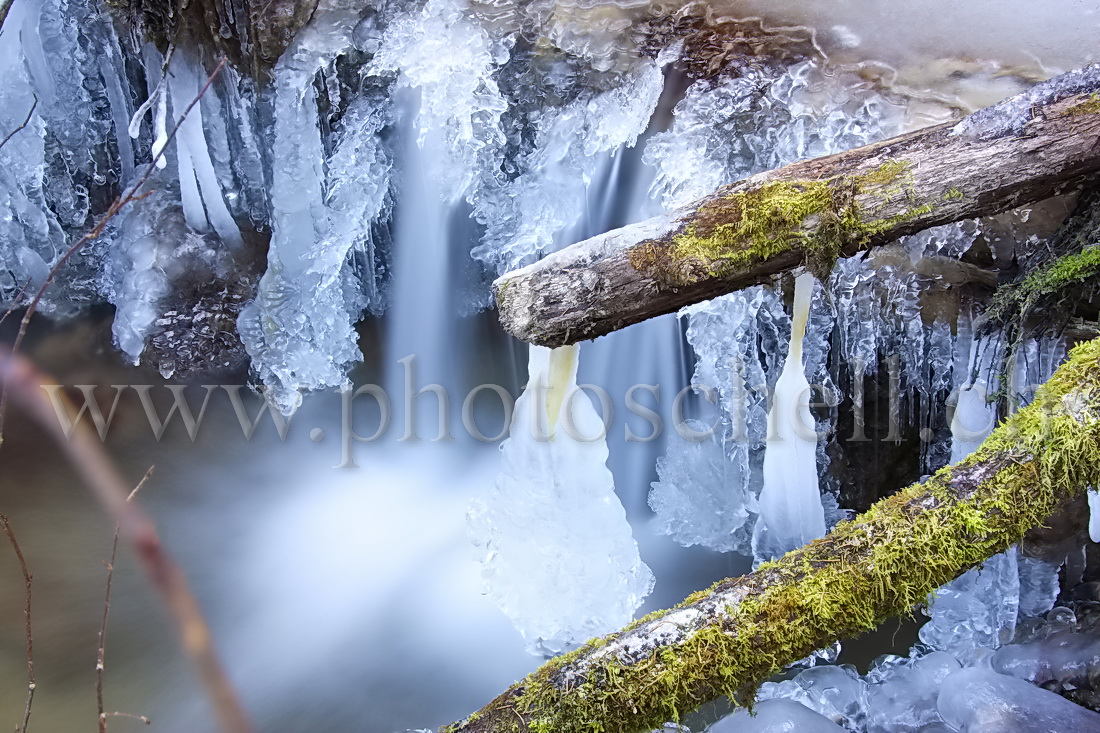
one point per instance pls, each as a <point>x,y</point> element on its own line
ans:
<point>124,198</point>
<point>87,456</point>
<point>15,300</point>
<point>106,612</point>
<point>23,126</point>
<point>27,619</point>
<point>5,6</point>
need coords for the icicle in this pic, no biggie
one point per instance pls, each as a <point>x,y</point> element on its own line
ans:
<point>114,77</point>
<point>203,201</point>
<point>706,492</point>
<point>556,548</point>
<point>300,330</point>
<point>974,417</point>
<point>791,512</point>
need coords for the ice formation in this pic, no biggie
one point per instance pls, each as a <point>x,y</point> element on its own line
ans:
<point>701,497</point>
<point>776,716</point>
<point>557,552</point>
<point>991,616</point>
<point>1094,514</point>
<point>981,607</point>
<point>1066,657</point>
<point>791,513</point>
<point>975,414</point>
<point>979,700</point>
<point>690,504</point>
<point>517,109</point>
<point>977,610</point>
<point>764,117</point>
<point>935,691</point>
<point>1010,117</point>
<point>300,332</point>
<point>57,56</point>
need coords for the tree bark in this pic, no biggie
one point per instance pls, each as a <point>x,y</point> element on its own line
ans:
<point>1030,147</point>
<point>730,638</point>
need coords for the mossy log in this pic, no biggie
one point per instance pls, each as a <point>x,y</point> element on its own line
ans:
<point>730,638</point>
<point>1025,149</point>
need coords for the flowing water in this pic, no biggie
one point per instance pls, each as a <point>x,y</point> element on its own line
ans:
<point>389,563</point>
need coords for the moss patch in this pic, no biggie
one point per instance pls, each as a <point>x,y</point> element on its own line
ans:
<point>1090,106</point>
<point>1056,283</point>
<point>816,219</point>
<point>878,565</point>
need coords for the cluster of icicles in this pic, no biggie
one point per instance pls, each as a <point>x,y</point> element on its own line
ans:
<point>516,154</point>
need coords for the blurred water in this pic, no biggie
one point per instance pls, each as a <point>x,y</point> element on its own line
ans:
<point>341,597</point>
<point>337,574</point>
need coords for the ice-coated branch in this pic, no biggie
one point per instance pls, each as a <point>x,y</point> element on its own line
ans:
<point>728,639</point>
<point>1022,150</point>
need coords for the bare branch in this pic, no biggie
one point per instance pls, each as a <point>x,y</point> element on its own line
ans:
<point>99,668</point>
<point>24,382</point>
<point>27,577</point>
<point>5,6</point>
<point>26,122</point>
<point>809,213</point>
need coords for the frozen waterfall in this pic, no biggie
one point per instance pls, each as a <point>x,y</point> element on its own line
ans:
<point>556,549</point>
<point>791,513</point>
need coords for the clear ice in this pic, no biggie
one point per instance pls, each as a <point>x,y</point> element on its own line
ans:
<point>556,549</point>
<point>791,512</point>
<point>980,700</point>
<point>300,332</point>
<point>776,716</point>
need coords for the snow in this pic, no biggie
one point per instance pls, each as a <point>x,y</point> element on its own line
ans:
<point>1012,115</point>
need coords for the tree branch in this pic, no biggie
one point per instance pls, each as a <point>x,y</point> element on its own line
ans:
<point>27,577</point>
<point>1022,150</point>
<point>101,653</point>
<point>730,638</point>
<point>84,451</point>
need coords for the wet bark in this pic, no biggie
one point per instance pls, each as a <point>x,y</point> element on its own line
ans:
<point>728,639</point>
<point>1023,150</point>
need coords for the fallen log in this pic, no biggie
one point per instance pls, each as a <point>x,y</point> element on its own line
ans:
<point>1025,149</point>
<point>728,639</point>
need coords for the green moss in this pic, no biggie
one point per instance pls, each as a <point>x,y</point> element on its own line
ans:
<point>878,565</point>
<point>815,218</point>
<point>1090,106</point>
<point>1055,279</point>
<point>1060,274</point>
<point>952,194</point>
